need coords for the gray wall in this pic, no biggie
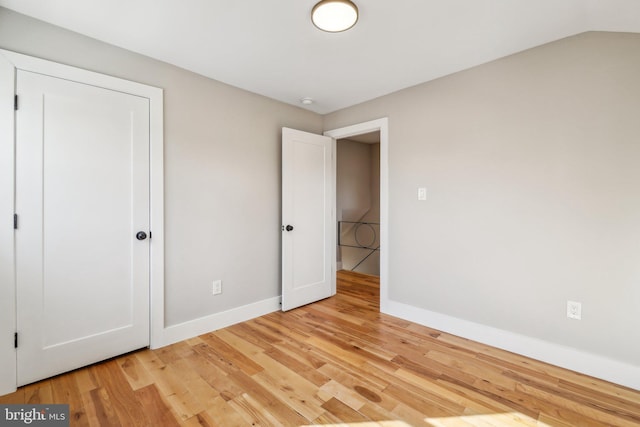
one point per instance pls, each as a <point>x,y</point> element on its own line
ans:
<point>222,169</point>
<point>353,180</point>
<point>531,165</point>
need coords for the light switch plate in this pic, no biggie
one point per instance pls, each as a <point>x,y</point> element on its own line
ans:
<point>217,287</point>
<point>422,193</point>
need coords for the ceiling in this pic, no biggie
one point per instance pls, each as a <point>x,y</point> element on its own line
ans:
<point>270,47</point>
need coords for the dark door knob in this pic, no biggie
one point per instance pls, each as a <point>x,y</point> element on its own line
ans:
<point>289,227</point>
<point>141,235</point>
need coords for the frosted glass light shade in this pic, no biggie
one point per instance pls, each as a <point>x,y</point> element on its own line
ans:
<point>334,15</point>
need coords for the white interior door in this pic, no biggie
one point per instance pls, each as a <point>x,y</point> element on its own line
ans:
<point>308,228</point>
<point>82,194</point>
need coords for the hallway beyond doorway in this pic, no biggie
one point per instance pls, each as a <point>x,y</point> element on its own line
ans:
<point>358,203</point>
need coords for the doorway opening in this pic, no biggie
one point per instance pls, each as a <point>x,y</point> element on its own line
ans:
<point>381,127</point>
<point>358,203</point>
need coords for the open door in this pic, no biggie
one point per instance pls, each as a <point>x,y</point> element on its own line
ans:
<point>308,226</point>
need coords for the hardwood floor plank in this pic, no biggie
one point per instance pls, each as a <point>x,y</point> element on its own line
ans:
<point>174,352</point>
<point>102,411</point>
<point>344,412</point>
<point>38,393</point>
<point>412,416</point>
<point>184,405</point>
<point>339,362</point>
<point>301,351</point>
<point>90,408</point>
<point>365,385</point>
<point>229,357</point>
<point>253,412</point>
<point>246,347</point>
<point>456,397</point>
<point>423,402</point>
<point>289,387</point>
<point>157,411</point>
<point>110,378</point>
<point>202,419</point>
<point>589,410</point>
<point>85,380</point>
<point>223,414</point>
<point>266,400</point>
<point>213,375</point>
<point>170,384</point>
<point>333,390</point>
<point>135,372</point>
<point>291,359</point>
<point>252,335</point>
<point>530,405</point>
<point>204,394</point>
<point>282,326</point>
<point>65,391</point>
<point>381,416</point>
<point>621,407</point>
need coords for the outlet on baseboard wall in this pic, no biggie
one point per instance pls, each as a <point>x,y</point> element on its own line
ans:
<point>574,310</point>
<point>217,287</point>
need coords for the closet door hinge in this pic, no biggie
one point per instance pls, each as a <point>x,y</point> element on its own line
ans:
<point>15,103</point>
<point>15,221</point>
<point>15,340</point>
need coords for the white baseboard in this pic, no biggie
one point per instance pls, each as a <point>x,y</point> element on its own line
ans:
<point>202,325</point>
<point>565,357</point>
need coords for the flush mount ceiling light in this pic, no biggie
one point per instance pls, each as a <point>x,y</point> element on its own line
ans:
<point>334,15</point>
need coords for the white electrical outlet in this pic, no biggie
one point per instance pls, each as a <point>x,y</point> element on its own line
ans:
<point>574,310</point>
<point>217,287</point>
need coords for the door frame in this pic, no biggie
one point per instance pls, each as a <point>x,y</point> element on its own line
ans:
<point>381,125</point>
<point>10,62</point>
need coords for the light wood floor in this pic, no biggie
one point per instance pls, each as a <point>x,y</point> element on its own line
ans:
<point>336,362</point>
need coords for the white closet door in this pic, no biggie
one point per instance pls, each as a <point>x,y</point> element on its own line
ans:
<point>82,194</point>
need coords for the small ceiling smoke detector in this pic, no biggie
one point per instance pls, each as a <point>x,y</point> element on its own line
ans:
<point>306,101</point>
<point>334,15</point>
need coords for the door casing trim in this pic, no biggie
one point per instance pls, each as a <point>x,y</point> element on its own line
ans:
<point>381,125</point>
<point>9,63</point>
